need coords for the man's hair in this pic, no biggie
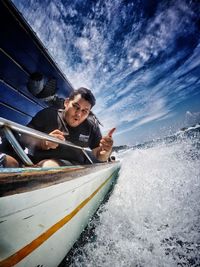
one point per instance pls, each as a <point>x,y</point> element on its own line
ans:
<point>85,93</point>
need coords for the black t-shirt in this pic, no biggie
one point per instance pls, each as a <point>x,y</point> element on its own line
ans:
<point>87,134</point>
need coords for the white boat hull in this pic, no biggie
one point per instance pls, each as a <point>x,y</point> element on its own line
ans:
<point>39,227</point>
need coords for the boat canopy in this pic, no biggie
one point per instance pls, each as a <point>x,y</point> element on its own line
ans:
<point>29,78</point>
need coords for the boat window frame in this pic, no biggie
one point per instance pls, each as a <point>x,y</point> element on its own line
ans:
<point>9,126</point>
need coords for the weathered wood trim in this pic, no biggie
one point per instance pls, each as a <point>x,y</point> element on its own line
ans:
<point>29,179</point>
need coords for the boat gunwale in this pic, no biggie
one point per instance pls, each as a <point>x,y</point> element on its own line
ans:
<point>26,181</point>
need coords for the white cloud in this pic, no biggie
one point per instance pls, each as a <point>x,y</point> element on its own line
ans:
<point>192,117</point>
<point>192,62</point>
<point>150,118</point>
<point>83,44</point>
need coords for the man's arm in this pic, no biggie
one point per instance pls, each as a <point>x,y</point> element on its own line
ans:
<point>103,151</point>
<point>33,142</point>
<point>42,123</point>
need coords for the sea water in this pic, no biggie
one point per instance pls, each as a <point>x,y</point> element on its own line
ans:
<point>152,217</point>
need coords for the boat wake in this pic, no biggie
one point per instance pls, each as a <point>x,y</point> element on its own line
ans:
<point>152,217</point>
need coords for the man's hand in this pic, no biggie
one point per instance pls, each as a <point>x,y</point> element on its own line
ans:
<point>105,147</point>
<point>46,145</point>
<point>106,143</point>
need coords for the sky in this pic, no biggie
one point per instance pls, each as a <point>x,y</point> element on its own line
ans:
<point>140,58</point>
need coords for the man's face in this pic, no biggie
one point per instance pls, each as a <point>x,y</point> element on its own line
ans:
<point>77,110</point>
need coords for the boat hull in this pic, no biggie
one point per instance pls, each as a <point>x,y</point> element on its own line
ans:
<point>39,226</point>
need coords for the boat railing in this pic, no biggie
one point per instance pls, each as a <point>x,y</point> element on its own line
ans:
<point>9,126</point>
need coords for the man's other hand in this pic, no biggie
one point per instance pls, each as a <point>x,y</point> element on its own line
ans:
<point>46,145</point>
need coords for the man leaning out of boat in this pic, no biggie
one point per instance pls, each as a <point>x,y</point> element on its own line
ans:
<point>75,123</point>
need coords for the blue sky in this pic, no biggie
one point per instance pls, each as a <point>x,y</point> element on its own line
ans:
<point>140,58</point>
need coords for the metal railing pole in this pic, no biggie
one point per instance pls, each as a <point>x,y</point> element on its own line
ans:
<point>39,135</point>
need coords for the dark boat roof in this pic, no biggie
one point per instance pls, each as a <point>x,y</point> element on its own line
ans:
<point>21,54</point>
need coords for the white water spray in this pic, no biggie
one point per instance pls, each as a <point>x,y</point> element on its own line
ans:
<point>152,218</point>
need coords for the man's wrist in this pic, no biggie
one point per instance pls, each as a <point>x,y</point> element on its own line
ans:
<point>104,156</point>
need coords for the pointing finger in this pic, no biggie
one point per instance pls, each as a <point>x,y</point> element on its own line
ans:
<point>110,133</point>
